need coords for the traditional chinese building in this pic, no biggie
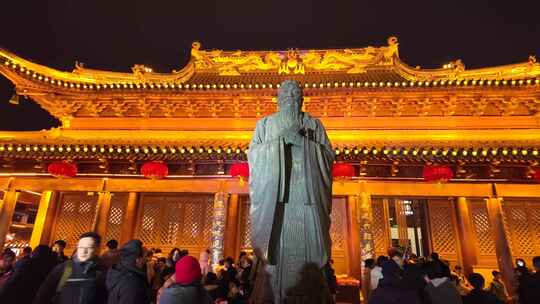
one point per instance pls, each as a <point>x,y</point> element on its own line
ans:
<point>392,122</point>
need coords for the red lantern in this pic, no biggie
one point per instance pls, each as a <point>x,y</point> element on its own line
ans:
<point>342,171</point>
<point>240,170</point>
<point>154,170</point>
<point>62,169</point>
<point>437,173</point>
<point>536,175</point>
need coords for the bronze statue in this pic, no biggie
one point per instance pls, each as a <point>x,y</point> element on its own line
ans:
<point>290,160</point>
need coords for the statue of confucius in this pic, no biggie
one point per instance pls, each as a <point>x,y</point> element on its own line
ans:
<point>290,162</point>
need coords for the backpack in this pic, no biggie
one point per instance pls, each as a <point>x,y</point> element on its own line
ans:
<point>65,276</point>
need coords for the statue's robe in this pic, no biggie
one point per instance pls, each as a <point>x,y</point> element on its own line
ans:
<point>291,195</point>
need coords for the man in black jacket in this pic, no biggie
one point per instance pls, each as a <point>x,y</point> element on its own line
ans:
<point>126,281</point>
<point>392,288</point>
<point>478,295</point>
<point>76,281</point>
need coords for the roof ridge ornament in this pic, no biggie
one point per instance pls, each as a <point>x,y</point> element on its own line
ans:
<point>293,61</point>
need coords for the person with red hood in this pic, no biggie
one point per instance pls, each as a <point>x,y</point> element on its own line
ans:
<point>187,288</point>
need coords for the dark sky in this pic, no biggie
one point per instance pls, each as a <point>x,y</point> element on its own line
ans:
<point>115,34</point>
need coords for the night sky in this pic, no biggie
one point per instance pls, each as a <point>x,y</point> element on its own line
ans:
<point>116,34</point>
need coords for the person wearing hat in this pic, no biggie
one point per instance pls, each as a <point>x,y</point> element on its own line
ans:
<point>187,288</point>
<point>126,281</point>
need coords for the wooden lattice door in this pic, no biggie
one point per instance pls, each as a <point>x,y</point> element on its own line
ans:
<point>483,235</point>
<point>380,226</point>
<point>443,228</point>
<point>176,220</point>
<point>244,226</point>
<point>522,223</point>
<point>338,234</point>
<point>75,216</point>
<point>116,216</point>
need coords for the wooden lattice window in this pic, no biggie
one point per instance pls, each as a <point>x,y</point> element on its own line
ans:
<point>442,225</point>
<point>485,244</point>
<point>379,227</point>
<point>245,224</point>
<point>75,215</point>
<point>116,216</point>
<point>337,229</point>
<point>338,226</point>
<point>338,234</point>
<point>179,220</point>
<point>535,223</point>
<point>522,223</point>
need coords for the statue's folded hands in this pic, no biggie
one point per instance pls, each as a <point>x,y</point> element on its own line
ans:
<point>293,135</point>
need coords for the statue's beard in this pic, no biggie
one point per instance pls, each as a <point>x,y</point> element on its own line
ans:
<point>289,115</point>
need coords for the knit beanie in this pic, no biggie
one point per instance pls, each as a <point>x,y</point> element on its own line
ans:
<point>188,271</point>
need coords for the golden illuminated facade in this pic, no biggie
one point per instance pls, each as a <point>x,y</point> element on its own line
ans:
<point>386,118</point>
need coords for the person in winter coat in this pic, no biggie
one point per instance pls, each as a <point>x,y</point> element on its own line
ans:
<point>188,288</point>
<point>439,289</point>
<point>204,261</point>
<point>174,256</point>
<point>392,288</point>
<point>22,285</point>
<point>497,287</point>
<point>58,249</point>
<point>25,256</point>
<point>211,286</point>
<point>126,281</point>
<point>112,255</point>
<point>6,266</point>
<point>478,295</point>
<point>76,281</point>
<point>376,273</point>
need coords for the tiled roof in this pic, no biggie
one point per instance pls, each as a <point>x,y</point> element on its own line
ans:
<point>374,75</point>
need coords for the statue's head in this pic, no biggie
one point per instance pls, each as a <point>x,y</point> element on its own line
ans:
<point>290,96</point>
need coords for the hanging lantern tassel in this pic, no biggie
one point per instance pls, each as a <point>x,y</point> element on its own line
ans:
<point>14,100</point>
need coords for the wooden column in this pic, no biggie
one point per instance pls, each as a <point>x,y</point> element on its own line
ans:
<point>130,218</point>
<point>7,207</point>
<point>401,217</point>
<point>504,256</point>
<point>231,227</point>
<point>427,240</point>
<point>386,225</point>
<point>354,230</point>
<point>99,224</point>
<point>41,233</point>
<point>465,233</point>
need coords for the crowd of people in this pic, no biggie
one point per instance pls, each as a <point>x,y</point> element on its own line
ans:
<point>409,279</point>
<point>134,274</point>
<point>131,274</point>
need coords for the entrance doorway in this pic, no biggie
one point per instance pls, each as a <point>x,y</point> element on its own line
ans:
<point>420,225</point>
<point>408,225</point>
